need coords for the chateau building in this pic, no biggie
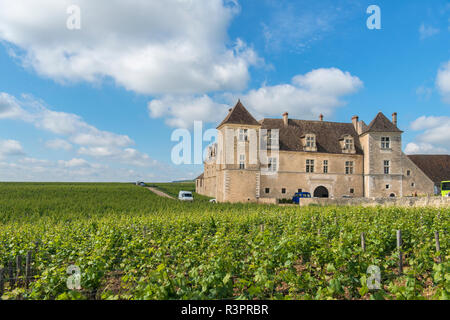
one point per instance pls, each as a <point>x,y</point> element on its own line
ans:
<point>326,159</point>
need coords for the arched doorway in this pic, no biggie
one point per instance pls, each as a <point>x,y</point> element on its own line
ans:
<point>321,192</point>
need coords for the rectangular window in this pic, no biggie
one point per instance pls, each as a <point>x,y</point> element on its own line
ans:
<point>272,166</point>
<point>388,186</point>
<point>243,134</point>
<point>385,143</point>
<point>310,166</point>
<point>269,138</point>
<point>348,144</point>
<point>242,161</point>
<point>386,166</point>
<point>310,141</point>
<point>352,191</point>
<point>413,184</point>
<point>267,190</point>
<point>283,190</point>
<point>349,167</point>
<point>300,190</point>
<point>325,166</point>
<point>408,173</point>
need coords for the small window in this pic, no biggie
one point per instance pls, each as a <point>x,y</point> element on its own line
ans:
<point>242,161</point>
<point>385,143</point>
<point>325,166</point>
<point>408,173</point>
<point>270,138</point>
<point>352,191</point>
<point>272,166</point>
<point>387,166</point>
<point>349,167</point>
<point>300,190</point>
<point>392,195</point>
<point>283,191</point>
<point>310,166</point>
<point>310,141</point>
<point>413,184</point>
<point>388,186</point>
<point>267,190</point>
<point>243,134</point>
<point>348,144</point>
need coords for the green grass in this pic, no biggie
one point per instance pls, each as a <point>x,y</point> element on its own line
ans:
<point>131,244</point>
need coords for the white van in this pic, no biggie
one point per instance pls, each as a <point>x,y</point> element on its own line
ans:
<point>185,196</point>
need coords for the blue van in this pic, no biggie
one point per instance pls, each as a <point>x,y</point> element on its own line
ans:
<point>298,195</point>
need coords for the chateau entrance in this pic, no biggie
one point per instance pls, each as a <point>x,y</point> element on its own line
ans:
<point>321,192</point>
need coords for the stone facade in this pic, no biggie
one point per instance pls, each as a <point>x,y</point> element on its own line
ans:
<point>326,159</point>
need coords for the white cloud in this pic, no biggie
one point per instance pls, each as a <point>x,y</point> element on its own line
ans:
<point>427,31</point>
<point>433,137</point>
<point>127,156</point>
<point>10,148</point>
<point>181,112</point>
<point>92,141</point>
<point>58,144</point>
<point>9,107</point>
<point>150,47</point>
<point>318,91</point>
<point>423,148</point>
<point>443,81</point>
<point>74,163</point>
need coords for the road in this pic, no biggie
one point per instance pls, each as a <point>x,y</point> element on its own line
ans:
<point>160,193</point>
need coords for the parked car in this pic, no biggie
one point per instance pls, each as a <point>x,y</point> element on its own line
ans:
<point>185,196</point>
<point>213,200</point>
<point>299,195</point>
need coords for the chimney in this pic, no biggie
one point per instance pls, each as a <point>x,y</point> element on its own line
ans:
<point>321,117</point>
<point>355,120</point>
<point>394,118</point>
<point>285,118</point>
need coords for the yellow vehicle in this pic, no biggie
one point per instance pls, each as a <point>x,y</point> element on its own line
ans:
<point>445,188</point>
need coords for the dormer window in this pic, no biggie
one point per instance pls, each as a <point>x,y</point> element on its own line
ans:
<point>309,142</point>
<point>347,144</point>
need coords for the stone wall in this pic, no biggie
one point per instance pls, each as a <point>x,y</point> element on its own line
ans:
<point>439,202</point>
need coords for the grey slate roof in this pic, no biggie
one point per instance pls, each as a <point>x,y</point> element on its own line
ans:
<point>239,115</point>
<point>327,134</point>
<point>436,167</point>
<point>382,124</point>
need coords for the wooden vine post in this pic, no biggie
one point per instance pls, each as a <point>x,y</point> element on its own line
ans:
<point>438,246</point>
<point>2,283</point>
<point>28,269</point>
<point>399,246</point>
<point>18,269</point>
<point>11,274</point>
<point>363,242</point>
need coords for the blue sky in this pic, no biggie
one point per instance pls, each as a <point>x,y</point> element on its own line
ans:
<point>100,103</point>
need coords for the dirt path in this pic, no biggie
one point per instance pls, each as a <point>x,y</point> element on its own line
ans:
<point>160,193</point>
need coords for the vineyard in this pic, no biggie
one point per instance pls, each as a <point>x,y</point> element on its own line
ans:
<point>128,243</point>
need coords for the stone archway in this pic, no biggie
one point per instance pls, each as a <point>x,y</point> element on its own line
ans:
<point>321,192</point>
